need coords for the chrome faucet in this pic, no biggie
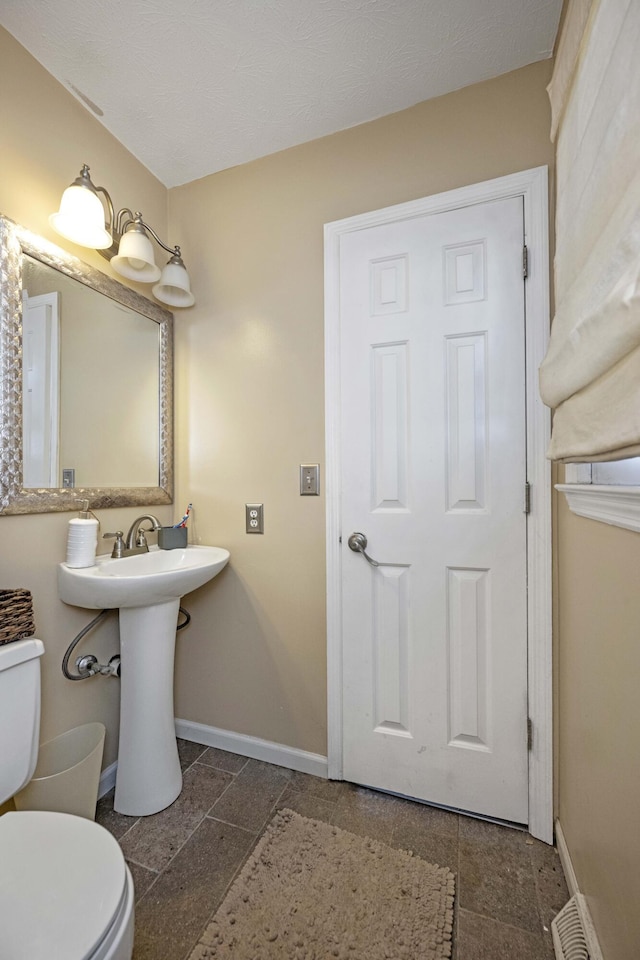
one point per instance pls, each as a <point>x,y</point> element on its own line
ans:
<point>136,540</point>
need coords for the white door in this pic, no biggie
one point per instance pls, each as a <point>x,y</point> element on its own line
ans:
<point>40,396</point>
<point>433,472</point>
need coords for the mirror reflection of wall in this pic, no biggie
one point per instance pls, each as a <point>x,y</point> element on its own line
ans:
<point>105,427</point>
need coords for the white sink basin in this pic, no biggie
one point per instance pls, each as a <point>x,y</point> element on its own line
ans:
<point>140,580</point>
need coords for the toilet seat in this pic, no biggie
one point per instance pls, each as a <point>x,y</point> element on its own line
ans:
<point>63,885</point>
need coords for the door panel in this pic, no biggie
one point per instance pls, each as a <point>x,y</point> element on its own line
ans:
<point>433,467</point>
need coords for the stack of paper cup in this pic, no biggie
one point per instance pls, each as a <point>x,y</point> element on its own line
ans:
<point>82,540</point>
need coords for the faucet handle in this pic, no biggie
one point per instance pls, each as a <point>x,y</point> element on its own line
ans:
<point>141,539</point>
<point>118,547</point>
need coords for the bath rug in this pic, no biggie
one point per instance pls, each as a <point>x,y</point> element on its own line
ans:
<point>311,891</point>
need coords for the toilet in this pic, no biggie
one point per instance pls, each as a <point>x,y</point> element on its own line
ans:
<point>65,889</point>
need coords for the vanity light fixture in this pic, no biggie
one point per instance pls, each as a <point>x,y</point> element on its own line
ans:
<point>123,239</point>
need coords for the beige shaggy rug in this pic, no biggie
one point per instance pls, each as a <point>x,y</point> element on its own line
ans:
<point>314,892</point>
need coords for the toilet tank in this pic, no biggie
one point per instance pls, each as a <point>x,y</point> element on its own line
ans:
<point>19,713</point>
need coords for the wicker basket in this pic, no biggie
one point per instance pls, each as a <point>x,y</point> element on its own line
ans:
<point>16,615</point>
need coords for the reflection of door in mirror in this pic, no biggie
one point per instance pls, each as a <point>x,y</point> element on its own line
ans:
<point>109,390</point>
<point>40,389</point>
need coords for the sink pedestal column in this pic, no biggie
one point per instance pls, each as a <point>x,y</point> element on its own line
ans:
<point>149,776</point>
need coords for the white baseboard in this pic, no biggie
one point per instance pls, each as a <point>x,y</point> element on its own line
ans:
<point>565,860</point>
<point>107,779</point>
<point>590,934</point>
<point>254,747</point>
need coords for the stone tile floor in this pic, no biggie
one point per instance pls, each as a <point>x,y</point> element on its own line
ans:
<point>183,859</point>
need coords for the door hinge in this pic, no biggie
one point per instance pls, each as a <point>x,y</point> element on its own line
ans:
<point>525,261</point>
<point>529,734</point>
<point>527,497</point>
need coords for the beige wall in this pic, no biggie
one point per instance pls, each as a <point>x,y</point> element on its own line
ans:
<point>250,381</point>
<point>599,722</point>
<point>46,137</point>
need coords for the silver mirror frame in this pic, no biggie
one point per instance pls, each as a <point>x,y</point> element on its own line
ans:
<point>14,498</point>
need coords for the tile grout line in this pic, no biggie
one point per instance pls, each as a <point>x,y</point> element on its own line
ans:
<point>144,867</point>
<point>204,817</point>
<point>199,823</point>
<point>212,766</point>
<point>535,887</point>
<point>505,923</point>
<point>138,819</point>
<point>534,873</point>
<point>160,873</point>
<point>228,823</point>
<point>310,796</point>
<point>226,891</point>
<point>128,830</point>
<point>240,866</point>
<point>502,923</point>
<point>234,777</point>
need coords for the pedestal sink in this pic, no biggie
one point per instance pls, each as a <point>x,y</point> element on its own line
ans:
<point>146,588</point>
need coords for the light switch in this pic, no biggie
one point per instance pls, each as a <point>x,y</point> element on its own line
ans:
<point>309,479</point>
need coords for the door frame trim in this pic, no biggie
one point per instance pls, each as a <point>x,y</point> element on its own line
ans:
<point>532,186</point>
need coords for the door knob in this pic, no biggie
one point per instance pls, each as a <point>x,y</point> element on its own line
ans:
<point>357,542</point>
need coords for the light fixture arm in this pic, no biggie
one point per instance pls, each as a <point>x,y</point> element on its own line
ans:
<point>122,220</point>
<point>137,218</point>
<point>84,180</point>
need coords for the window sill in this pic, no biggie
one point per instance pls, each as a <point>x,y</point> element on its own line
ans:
<point>619,506</point>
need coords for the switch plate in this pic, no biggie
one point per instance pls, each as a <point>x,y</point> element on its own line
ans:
<point>309,479</point>
<point>254,517</point>
<point>69,477</point>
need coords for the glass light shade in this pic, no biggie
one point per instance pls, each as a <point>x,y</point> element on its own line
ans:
<point>81,218</point>
<point>174,288</point>
<point>135,258</point>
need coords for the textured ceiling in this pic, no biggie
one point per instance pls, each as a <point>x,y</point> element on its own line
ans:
<point>195,86</point>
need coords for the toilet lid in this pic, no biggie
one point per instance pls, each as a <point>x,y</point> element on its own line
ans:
<point>62,879</point>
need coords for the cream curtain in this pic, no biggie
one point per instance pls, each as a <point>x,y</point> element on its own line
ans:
<point>591,374</point>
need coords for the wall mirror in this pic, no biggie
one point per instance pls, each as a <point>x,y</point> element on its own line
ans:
<point>86,384</point>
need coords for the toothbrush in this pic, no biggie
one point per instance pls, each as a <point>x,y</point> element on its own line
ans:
<point>183,522</point>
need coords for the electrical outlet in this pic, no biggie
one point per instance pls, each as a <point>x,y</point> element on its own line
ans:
<point>254,517</point>
<point>309,479</point>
